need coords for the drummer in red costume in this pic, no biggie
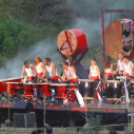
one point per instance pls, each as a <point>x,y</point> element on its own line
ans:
<point>51,70</point>
<point>128,72</point>
<point>70,76</point>
<point>39,66</point>
<point>31,75</point>
<point>108,75</point>
<point>108,68</point>
<point>120,64</point>
<point>95,75</point>
<point>70,64</point>
<point>30,70</point>
<point>52,73</point>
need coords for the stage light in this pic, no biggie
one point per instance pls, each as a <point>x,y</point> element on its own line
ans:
<point>126,48</point>
<point>126,32</point>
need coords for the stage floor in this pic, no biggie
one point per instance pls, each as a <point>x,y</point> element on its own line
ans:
<point>91,106</point>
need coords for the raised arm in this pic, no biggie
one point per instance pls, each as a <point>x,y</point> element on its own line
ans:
<point>44,72</point>
<point>54,70</point>
<point>98,71</point>
<point>111,67</point>
<point>132,66</point>
<point>23,72</point>
<point>89,74</point>
<point>124,73</point>
<point>117,69</point>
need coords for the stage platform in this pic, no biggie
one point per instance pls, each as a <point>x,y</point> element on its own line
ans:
<point>56,115</point>
<point>90,107</point>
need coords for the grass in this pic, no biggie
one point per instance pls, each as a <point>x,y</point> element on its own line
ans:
<point>93,127</point>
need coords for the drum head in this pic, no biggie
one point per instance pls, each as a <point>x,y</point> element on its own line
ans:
<point>113,37</point>
<point>46,83</point>
<point>67,42</point>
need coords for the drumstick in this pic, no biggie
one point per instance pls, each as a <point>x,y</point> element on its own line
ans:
<point>97,88</point>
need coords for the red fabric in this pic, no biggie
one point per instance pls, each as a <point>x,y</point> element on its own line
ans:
<point>40,74</point>
<point>29,77</point>
<point>121,71</point>
<point>54,78</point>
<point>73,80</point>
<point>128,76</point>
<point>95,94</point>
<point>108,74</point>
<point>94,77</point>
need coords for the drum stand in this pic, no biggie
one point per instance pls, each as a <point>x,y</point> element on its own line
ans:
<point>122,99</point>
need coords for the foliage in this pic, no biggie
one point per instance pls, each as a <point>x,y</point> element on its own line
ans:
<point>15,34</point>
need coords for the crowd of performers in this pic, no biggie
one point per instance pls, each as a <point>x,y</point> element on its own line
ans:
<point>38,73</point>
<point>47,72</point>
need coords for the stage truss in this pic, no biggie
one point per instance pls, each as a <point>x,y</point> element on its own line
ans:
<point>102,26</point>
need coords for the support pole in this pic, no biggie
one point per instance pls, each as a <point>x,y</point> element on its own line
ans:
<point>102,36</point>
<point>8,108</point>
<point>44,109</point>
<point>132,113</point>
<point>86,109</point>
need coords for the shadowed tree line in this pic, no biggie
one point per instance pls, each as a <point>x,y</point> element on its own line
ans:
<point>25,22</point>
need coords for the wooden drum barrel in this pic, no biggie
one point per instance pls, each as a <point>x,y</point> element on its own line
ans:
<point>70,41</point>
<point>12,88</point>
<point>113,37</point>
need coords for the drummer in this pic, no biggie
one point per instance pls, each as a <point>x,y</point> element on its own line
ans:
<point>39,66</point>
<point>70,76</point>
<point>120,64</point>
<point>52,73</point>
<point>31,75</point>
<point>128,72</point>
<point>95,75</point>
<point>108,75</point>
<point>51,69</point>
<point>40,69</point>
<point>70,64</point>
<point>30,70</point>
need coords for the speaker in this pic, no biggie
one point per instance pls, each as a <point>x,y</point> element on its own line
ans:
<point>25,106</point>
<point>19,120</point>
<point>30,119</point>
<point>24,119</point>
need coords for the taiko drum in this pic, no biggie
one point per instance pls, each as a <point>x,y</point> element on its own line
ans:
<point>71,94</point>
<point>28,90</point>
<point>61,91</point>
<point>71,41</point>
<point>45,89</point>
<point>12,88</point>
<point>113,37</point>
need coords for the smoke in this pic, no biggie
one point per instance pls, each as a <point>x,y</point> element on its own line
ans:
<point>45,48</point>
<point>85,15</point>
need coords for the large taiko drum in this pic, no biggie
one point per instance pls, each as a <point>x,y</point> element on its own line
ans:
<point>71,41</point>
<point>61,90</point>
<point>113,36</point>
<point>45,89</point>
<point>12,88</point>
<point>28,90</point>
